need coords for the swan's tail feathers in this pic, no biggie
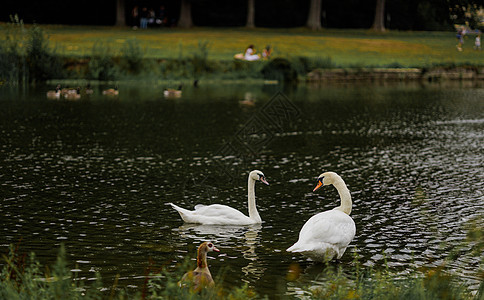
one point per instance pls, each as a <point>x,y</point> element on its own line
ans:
<point>317,252</point>
<point>305,247</point>
<point>183,212</point>
<point>294,248</point>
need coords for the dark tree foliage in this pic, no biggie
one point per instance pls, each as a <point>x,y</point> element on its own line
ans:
<point>418,15</point>
<point>349,13</point>
<point>215,13</point>
<point>464,12</point>
<point>399,14</point>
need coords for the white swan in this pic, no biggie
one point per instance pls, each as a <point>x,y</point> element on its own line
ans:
<point>327,234</point>
<point>217,214</point>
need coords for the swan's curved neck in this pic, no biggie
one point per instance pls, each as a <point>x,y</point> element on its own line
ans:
<point>253,213</point>
<point>344,195</point>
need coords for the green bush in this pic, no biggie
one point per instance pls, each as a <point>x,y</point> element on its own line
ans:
<point>304,65</point>
<point>101,65</point>
<point>175,69</point>
<point>13,65</point>
<point>43,62</point>
<point>21,281</point>
<point>26,55</point>
<point>132,57</point>
<point>200,59</point>
<point>434,283</point>
<point>280,69</point>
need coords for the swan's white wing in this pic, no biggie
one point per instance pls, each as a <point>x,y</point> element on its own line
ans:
<point>198,206</point>
<point>334,227</point>
<point>330,229</point>
<point>214,214</point>
<point>216,210</point>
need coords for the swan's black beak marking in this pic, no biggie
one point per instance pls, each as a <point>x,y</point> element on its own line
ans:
<point>320,184</point>
<point>263,179</point>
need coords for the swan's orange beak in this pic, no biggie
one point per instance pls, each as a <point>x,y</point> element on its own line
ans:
<point>264,180</point>
<point>320,184</point>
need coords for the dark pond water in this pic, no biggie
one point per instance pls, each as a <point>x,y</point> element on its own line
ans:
<point>96,174</point>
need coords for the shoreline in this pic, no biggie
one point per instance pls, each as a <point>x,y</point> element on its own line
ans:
<point>397,74</point>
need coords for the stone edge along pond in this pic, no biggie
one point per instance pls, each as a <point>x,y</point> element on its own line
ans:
<point>396,74</point>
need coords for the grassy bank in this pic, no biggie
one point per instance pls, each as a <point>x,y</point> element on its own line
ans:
<point>114,53</point>
<point>345,47</point>
<point>23,278</point>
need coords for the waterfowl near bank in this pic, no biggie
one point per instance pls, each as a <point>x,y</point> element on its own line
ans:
<point>111,92</point>
<point>200,278</point>
<point>172,93</point>
<point>55,94</point>
<point>73,95</point>
<point>327,235</point>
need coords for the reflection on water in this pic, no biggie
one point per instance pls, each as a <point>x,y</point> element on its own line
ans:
<point>253,271</point>
<point>95,174</point>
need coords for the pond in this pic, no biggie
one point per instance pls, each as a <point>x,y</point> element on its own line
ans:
<point>96,174</point>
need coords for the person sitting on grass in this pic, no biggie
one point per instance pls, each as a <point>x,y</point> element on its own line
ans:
<point>266,53</point>
<point>250,54</point>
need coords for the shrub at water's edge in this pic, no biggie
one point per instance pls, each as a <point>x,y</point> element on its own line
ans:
<point>26,55</point>
<point>20,279</point>
<point>101,65</point>
<point>43,61</point>
<point>132,57</point>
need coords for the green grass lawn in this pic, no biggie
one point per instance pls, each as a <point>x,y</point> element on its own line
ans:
<point>346,48</point>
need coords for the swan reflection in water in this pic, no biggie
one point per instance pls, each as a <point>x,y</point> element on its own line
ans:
<point>228,235</point>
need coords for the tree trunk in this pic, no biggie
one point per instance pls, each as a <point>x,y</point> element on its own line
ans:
<point>120,13</point>
<point>314,16</point>
<point>379,21</point>
<point>250,14</point>
<point>185,20</point>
